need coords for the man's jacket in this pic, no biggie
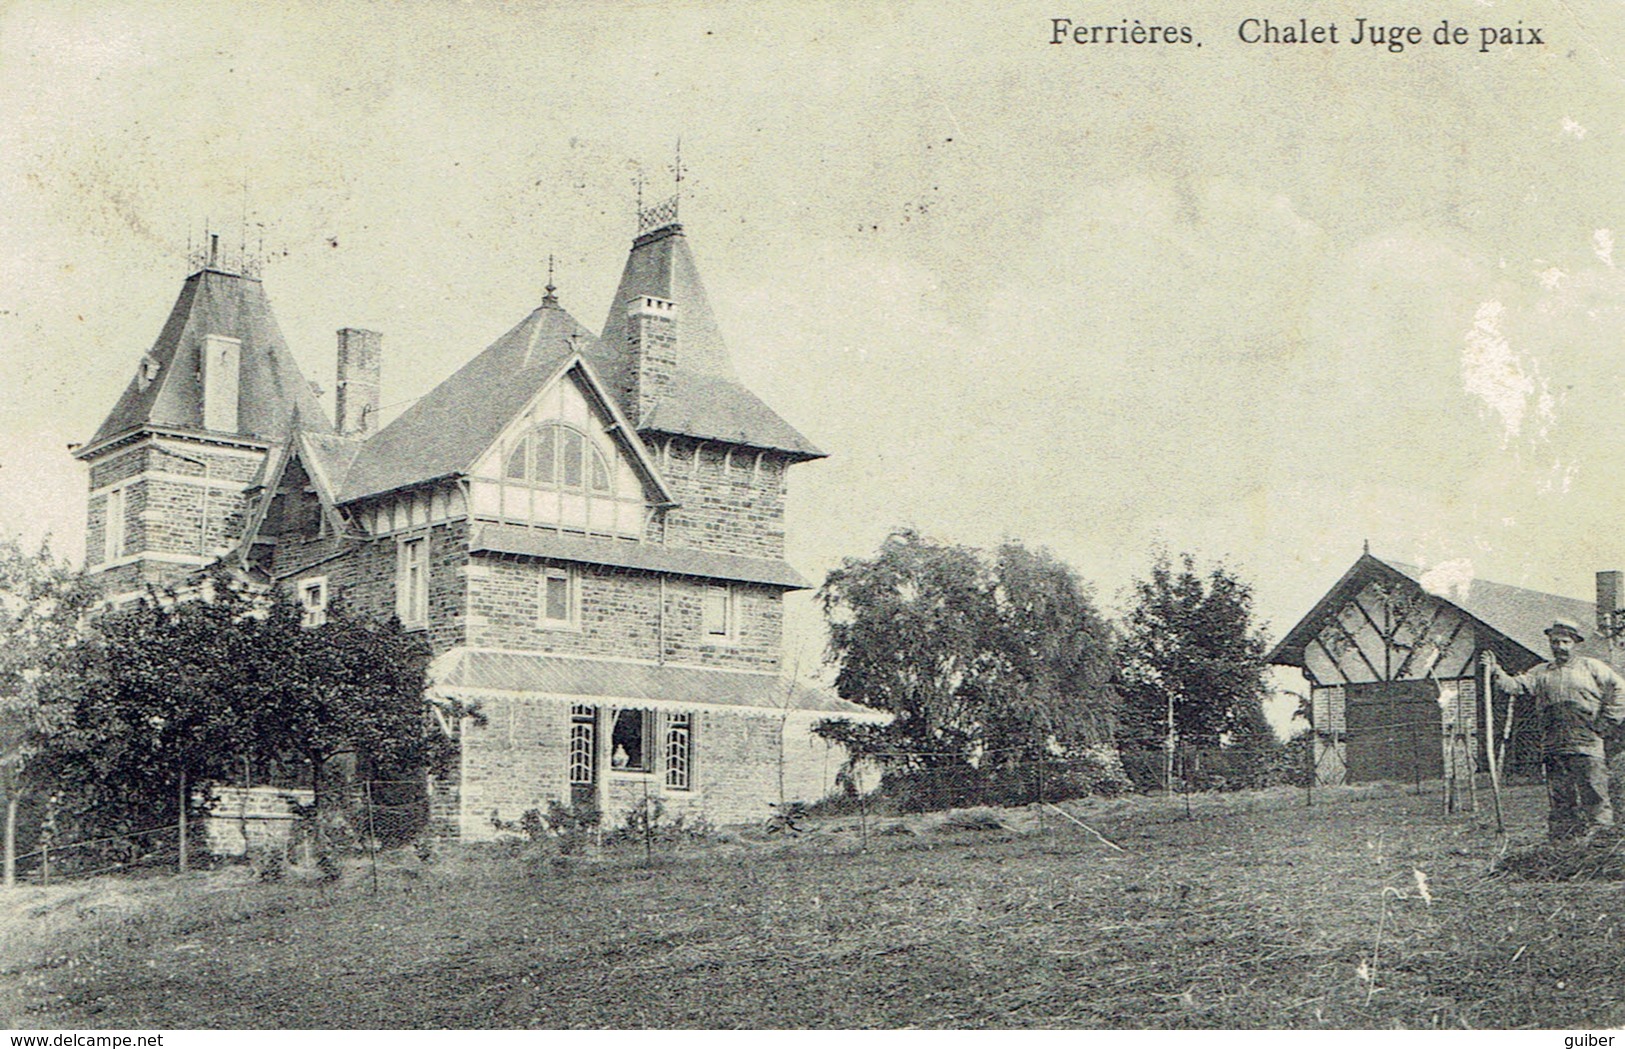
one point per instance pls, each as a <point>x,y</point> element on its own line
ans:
<point>1577,704</point>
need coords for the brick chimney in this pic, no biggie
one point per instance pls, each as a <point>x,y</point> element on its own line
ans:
<point>1609,586</point>
<point>360,370</point>
<point>220,362</point>
<point>651,342</point>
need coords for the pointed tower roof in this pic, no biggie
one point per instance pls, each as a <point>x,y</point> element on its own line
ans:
<point>453,424</point>
<point>166,394</point>
<point>705,398</point>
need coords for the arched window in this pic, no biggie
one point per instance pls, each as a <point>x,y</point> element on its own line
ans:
<point>561,455</point>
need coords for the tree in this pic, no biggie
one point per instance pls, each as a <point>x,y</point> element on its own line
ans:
<point>1190,646</point>
<point>983,661</point>
<point>154,702</point>
<point>172,694</point>
<point>43,603</point>
<point>351,688</point>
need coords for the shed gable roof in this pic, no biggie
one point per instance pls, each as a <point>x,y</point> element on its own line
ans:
<point>1516,615</point>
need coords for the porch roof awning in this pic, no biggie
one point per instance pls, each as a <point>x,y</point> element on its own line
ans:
<point>647,557</point>
<point>476,671</point>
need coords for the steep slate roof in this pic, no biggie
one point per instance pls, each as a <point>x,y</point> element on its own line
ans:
<point>271,388</point>
<point>331,457</point>
<point>705,398</point>
<point>572,678</point>
<point>1518,615</point>
<point>450,426</point>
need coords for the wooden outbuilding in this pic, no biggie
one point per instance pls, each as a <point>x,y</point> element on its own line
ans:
<point>1391,656</point>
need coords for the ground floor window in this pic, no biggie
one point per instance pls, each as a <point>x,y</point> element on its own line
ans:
<point>629,742</point>
<point>583,742</point>
<point>679,751</point>
<point>640,741</point>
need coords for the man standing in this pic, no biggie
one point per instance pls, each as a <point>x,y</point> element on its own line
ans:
<point>1578,701</point>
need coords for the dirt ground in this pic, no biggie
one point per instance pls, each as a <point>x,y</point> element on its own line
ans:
<point>1371,908</point>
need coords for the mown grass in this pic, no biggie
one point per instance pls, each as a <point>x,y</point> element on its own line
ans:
<point>1253,912</point>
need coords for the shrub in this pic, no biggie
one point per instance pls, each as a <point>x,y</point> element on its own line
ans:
<point>646,824</point>
<point>268,862</point>
<point>573,827</point>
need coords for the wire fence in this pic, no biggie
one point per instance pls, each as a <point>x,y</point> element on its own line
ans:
<point>274,827</point>
<point>270,826</point>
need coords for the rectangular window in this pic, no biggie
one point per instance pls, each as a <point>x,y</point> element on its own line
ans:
<point>629,743</point>
<point>313,600</point>
<point>113,529</point>
<point>412,584</point>
<point>679,751</point>
<point>719,612</point>
<point>558,597</point>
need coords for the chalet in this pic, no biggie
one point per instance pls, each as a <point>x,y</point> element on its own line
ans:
<point>1391,656</point>
<point>588,528</point>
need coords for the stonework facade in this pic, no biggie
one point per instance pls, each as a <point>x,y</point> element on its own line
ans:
<point>589,532</point>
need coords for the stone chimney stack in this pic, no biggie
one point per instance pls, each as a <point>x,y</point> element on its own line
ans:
<point>651,338</point>
<point>360,371</point>
<point>1609,586</point>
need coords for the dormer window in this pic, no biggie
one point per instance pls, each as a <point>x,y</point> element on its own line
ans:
<point>556,454</point>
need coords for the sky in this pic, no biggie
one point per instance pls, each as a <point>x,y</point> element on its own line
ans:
<point>1261,303</point>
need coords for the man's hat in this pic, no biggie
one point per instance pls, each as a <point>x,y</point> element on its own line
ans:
<point>1566,626</point>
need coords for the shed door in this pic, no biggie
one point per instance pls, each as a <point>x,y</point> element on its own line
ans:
<point>1395,732</point>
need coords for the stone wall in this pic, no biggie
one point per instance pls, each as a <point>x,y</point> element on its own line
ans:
<point>519,761</point>
<point>164,511</point>
<point>728,503</point>
<point>364,573</point>
<point>619,614</point>
<point>244,818</point>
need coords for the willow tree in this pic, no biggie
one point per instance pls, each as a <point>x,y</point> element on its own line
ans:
<point>983,659</point>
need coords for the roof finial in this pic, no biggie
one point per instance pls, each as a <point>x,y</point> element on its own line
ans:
<point>677,169</point>
<point>550,300</point>
<point>663,213</point>
<point>1368,548</point>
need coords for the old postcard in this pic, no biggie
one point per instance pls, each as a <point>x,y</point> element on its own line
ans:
<point>811,515</point>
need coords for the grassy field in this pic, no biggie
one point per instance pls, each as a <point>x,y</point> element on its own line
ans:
<point>1253,912</point>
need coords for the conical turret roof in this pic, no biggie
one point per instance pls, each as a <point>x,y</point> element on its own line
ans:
<point>166,392</point>
<point>704,397</point>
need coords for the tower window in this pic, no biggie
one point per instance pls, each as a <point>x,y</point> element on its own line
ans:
<point>313,600</point>
<point>113,529</point>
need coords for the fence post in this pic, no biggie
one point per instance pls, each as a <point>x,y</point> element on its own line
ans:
<point>863,818</point>
<point>648,829</point>
<point>372,835</point>
<point>1041,752</point>
<point>183,824</point>
<point>1314,769</point>
<point>11,839</point>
